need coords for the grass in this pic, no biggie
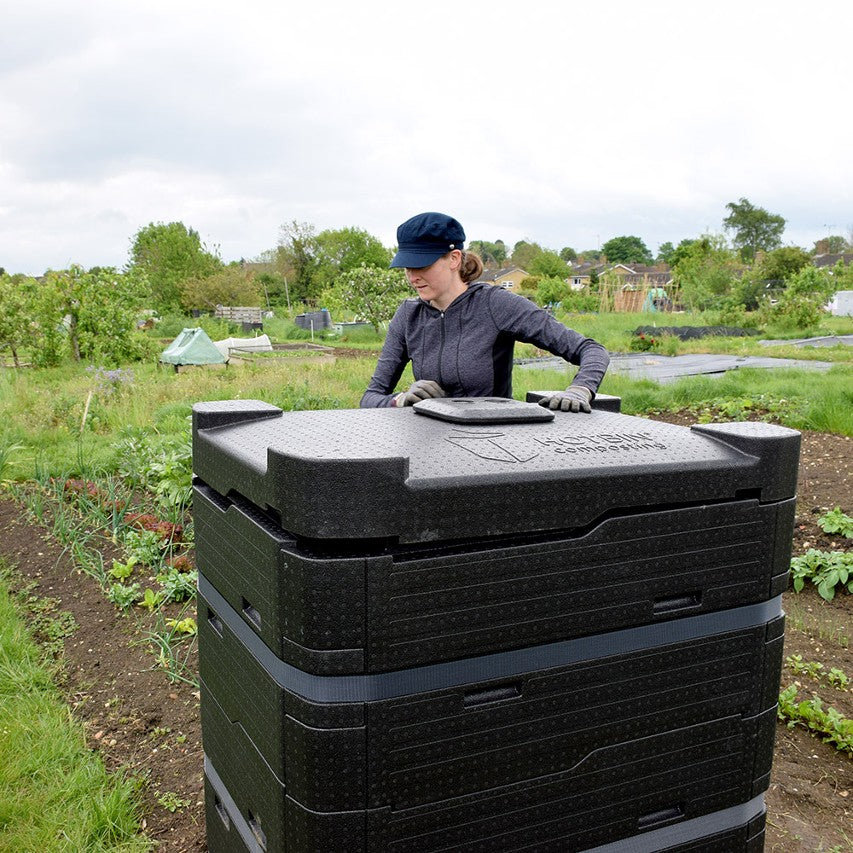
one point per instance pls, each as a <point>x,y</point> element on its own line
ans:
<point>43,430</point>
<point>55,795</point>
<point>614,331</point>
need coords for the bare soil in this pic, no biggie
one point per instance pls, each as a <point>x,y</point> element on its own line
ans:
<point>137,719</point>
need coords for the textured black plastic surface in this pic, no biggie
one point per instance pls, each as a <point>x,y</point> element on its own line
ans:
<point>620,792</point>
<point>392,474</point>
<point>483,410</point>
<point>614,738</point>
<point>417,635</point>
<point>738,829</point>
<point>389,607</point>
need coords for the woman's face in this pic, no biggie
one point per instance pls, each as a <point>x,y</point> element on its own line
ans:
<point>439,283</point>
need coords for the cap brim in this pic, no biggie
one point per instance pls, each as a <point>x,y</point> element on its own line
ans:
<point>416,260</point>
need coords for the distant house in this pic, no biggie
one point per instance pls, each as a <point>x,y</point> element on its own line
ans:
<point>581,273</point>
<point>633,275</point>
<point>508,277</point>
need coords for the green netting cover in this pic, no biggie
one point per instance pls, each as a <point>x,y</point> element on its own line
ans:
<point>192,346</point>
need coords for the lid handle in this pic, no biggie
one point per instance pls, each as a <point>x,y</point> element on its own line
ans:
<point>483,410</point>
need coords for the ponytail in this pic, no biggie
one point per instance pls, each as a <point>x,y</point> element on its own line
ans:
<point>471,267</point>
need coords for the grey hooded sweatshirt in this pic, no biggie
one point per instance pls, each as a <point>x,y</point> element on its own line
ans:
<point>467,348</point>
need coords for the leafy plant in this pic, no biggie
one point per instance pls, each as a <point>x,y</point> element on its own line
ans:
<point>825,569</point>
<point>811,668</point>
<point>123,596</point>
<point>151,600</point>
<point>187,626</point>
<point>836,521</point>
<point>122,571</point>
<point>826,723</point>
<point>177,585</point>
<point>835,677</point>
<point>144,547</point>
<point>170,801</point>
<point>168,643</point>
<point>838,678</point>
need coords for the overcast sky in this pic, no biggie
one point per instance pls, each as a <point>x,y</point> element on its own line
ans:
<point>561,122</point>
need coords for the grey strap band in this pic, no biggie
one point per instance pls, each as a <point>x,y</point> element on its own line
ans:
<point>420,679</point>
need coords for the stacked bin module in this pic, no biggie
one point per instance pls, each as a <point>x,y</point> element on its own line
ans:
<point>455,627</point>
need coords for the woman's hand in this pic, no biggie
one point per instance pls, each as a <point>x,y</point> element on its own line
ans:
<point>422,389</point>
<point>573,399</point>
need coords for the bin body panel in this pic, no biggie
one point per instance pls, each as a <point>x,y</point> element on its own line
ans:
<point>685,725</point>
<point>558,813</point>
<point>396,608</point>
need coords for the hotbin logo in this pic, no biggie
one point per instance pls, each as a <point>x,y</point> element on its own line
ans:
<point>485,445</point>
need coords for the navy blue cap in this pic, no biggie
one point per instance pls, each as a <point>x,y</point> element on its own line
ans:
<point>425,238</point>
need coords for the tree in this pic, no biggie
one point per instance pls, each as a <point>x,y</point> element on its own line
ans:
<point>842,276</point>
<point>706,271</point>
<point>371,293</point>
<point>682,250</point>
<point>626,250</point>
<point>168,254</point>
<point>492,254</point>
<point>345,249</point>
<point>568,254</point>
<point>96,310</point>
<point>802,301</point>
<point>665,252</point>
<point>299,250</point>
<point>552,290</point>
<point>590,255</point>
<point>524,253</point>
<point>229,286</point>
<point>549,265</point>
<point>16,312</point>
<point>315,261</point>
<point>754,228</point>
<point>780,264</point>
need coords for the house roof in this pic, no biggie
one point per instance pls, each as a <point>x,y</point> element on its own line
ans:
<point>641,270</point>
<point>494,275</point>
<point>832,258</point>
<point>586,268</point>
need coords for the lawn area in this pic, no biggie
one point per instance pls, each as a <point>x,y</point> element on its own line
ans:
<point>55,794</point>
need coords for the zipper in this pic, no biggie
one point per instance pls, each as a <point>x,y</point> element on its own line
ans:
<point>441,350</point>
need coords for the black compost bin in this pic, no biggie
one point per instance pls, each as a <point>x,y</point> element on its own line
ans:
<point>455,628</point>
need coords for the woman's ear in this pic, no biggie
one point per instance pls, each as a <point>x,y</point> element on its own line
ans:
<point>455,257</point>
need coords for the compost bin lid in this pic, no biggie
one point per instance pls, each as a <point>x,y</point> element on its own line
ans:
<point>392,473</point>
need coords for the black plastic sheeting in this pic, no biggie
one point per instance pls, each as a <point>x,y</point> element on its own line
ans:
<point>666,368</point>
<point>688,333</point>
<point>822,341</point>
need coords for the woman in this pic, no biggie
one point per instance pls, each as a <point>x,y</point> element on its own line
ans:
<point>459,333</point>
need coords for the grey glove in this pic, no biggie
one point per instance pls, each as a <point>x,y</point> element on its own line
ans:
<point>423,389</point>
<point>573,399</point>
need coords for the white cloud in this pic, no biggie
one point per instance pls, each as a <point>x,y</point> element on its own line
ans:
<point>561,123</point>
